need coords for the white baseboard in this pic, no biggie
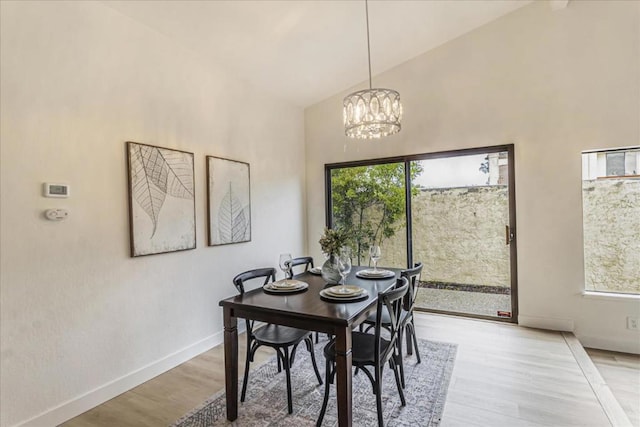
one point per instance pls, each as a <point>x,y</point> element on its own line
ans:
<point>566,325</point>
<point>93,398</point>
<point>552,323</point>
<point>611,344</point>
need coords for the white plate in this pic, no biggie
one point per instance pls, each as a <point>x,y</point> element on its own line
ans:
<point>286,284</point>
<point>324,294</point>
<point>316,270</point>
<point>274,289</point>
<point>370,274</point>
<point>343,291</point>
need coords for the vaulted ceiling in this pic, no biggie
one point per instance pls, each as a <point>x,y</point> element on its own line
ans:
<point>305,51</point>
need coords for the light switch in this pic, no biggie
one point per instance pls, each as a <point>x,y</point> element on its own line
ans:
<point>56,214</point>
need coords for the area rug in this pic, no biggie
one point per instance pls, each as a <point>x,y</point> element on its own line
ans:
<point>266,402</point>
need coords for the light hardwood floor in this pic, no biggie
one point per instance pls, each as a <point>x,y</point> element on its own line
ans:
<point>504,375</point>
<point>621,372</point>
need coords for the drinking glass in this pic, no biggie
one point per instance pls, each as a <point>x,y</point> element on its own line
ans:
<point>284,264</point>
<point>344,266</point>
<point>375,253</point>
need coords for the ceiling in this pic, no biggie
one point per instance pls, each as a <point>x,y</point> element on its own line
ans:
<point>305,51</point>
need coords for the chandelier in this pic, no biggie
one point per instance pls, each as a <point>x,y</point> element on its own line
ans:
<point>371,113</point>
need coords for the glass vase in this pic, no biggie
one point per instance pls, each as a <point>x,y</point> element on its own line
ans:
<point>330,272</point>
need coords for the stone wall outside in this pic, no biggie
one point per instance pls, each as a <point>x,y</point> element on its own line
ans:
<point>612,235</point>
<point>459,235</point>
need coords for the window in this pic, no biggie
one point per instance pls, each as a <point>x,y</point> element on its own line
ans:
<point>611,220</point>
<point>369,202</point>
<point>615,164</point>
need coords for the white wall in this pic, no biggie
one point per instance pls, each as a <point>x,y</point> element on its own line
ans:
<point>80,319</point>
<point>553,84</point>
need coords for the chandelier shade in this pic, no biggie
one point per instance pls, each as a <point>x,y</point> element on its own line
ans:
<point>372,113</point>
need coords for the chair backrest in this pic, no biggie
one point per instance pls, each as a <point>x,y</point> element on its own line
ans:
<point>392,300</point>
<point>307,261</point>
<point>269,275</point>
<point>413,276</point>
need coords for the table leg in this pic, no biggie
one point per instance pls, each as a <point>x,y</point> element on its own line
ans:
<point>343,374</point>
<point>231,363</point>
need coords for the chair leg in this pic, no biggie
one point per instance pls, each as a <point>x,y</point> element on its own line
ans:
<point>246,374</point>
<point>309,342</point>
<point>369,375</point>
<point>293,354</point>
<point>400,361</point>
<point>415,340</point>
<point>409,345</point>
<point>394,366</point>
<point>287,370</point>
<point>328,381</point>
<point>317,335</point>
<point>378,392</point>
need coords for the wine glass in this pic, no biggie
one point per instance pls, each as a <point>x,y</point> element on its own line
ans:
<point>284,264</point>
<point>375,253</point>
<point>344,266</point>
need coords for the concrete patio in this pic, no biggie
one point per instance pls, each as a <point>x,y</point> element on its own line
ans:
<point>463,300</point>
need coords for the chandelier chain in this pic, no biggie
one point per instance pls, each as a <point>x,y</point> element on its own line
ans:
<point>366,8</point>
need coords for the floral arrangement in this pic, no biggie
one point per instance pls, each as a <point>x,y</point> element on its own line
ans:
<point>333,240</point>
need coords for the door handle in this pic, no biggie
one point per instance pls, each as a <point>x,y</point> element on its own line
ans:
<point>509,235</point>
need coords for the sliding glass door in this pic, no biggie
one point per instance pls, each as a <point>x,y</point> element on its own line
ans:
<point>462,234</point>
<point>453,211</point>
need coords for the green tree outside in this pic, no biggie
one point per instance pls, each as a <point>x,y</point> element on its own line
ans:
<point>368,202</point>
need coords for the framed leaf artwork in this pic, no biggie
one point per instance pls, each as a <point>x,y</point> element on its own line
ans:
<point>229,201</point>
<point>161,200</point>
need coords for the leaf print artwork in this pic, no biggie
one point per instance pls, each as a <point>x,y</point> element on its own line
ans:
<point>158,172</point>
<point>161,184</point>
<point>228,206</point>
<point>144,185</point>
<point>232,224</point>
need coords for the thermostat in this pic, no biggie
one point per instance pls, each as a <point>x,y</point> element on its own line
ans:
<point>55,190</point>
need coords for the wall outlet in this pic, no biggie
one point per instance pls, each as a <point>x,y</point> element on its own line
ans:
<point>633,323</point>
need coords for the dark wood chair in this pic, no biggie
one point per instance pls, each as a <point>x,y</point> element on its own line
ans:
<point>280,338</point>
<point>372,351</point>
<point>307,261</point>
<point>407,325</point>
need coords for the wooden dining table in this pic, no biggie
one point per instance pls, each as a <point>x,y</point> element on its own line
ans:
<point>304,310</point>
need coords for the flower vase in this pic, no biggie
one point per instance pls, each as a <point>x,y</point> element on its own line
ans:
<point>330,272</point>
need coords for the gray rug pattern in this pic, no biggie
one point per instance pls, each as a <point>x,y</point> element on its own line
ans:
<point>266,402</point>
